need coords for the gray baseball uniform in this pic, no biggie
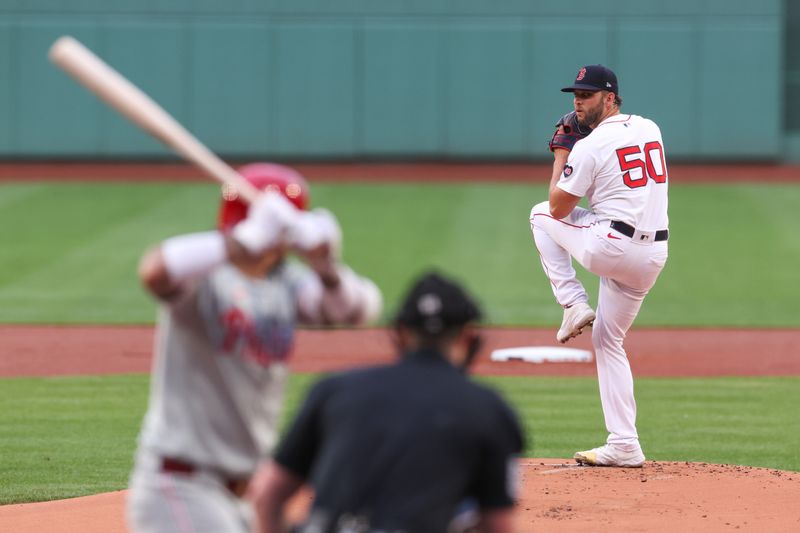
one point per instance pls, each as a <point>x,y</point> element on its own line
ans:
<point>217,384</point>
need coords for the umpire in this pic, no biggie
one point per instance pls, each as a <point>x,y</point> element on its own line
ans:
<point>398,448</point>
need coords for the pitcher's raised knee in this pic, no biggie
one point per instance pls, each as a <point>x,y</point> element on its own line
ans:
<point>542,208</point>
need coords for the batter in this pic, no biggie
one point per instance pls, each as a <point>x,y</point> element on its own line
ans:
<point>617,162</point>
<point>230,302</point>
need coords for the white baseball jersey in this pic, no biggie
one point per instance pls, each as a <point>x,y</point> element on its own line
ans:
<point>220,362</point>
<point>621,169</point>
<point>220,368</point>
<point>218,378</point>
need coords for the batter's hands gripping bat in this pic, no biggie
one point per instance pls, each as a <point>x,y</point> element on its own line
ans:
<point>113,88</point>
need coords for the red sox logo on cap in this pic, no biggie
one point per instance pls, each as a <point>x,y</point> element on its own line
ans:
<point>581,74</point>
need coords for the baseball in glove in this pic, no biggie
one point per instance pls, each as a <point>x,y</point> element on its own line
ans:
<point>568,132</point>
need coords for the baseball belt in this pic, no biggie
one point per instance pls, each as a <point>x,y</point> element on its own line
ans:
<point>177,466</point>
<point>628,230</point>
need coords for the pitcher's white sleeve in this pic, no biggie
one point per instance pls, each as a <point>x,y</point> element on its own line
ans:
<point>578,174</point>
<point>356,301</point>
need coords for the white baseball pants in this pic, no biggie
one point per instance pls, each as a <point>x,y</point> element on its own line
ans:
<point>163,502</point>
<point>627,271</point>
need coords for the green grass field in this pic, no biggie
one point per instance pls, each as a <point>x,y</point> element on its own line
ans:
<point>70,250</point>
<point>68,437</point>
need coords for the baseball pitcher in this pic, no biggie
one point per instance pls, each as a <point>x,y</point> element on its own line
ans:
<point>230,300</point>
<point>617,162</point>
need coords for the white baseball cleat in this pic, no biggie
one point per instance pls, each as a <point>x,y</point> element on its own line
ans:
<point>576,317</point>
<point>610,455</point>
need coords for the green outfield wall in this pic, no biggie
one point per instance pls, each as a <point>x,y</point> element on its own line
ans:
<point>288,79</point>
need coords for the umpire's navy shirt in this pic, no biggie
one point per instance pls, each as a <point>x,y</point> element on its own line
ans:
<point>397,447</point>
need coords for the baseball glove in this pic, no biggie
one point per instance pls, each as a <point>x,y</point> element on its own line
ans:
<point>568,132</point>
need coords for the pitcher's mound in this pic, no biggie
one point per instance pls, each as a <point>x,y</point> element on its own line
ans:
<point>557,495</point>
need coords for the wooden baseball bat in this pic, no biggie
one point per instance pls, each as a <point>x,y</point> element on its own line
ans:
<point>119,93</point>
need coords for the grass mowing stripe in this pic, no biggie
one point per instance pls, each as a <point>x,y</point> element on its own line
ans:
<point>16,193</point>
<point>477,232</point>
<point>731,249</point>
<point>91,270</point>
<point>70,250</point>
<point>64,437</point>
<point>74,436</point>
<point>679,419</point>
<point>748,421</point>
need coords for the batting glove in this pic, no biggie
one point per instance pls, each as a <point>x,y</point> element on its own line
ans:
<point>315,229</point>
<point>317,238</point>
<point>268,223</point>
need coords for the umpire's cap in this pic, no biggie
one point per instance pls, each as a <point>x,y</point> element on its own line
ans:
<point>594,78</point>
<point>435,304</point>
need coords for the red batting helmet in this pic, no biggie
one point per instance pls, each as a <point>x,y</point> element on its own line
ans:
<point>264,176</point>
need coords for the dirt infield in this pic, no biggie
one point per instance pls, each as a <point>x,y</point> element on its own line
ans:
<point>77,350</point>
<point>557,496</point>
